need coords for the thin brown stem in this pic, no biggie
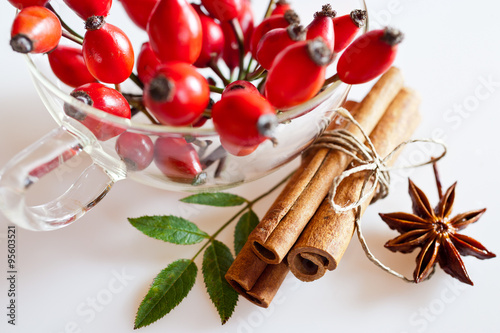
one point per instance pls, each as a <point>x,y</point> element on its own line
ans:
<point>438,180</point>
<point>72,38</point>
<point>331,79</point>
<point>213,65</point>
<point>235,24</point>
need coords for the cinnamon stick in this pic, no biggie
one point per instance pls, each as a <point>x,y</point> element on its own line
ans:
<point>254,279</point>
<point>326,237</point>
<point>283,223</point>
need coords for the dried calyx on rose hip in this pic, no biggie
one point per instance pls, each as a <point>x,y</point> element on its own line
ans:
<point>177,94</point>
<point>322,26</point>
<point>107,51</point>
<point>103,98</point>
<point>297,73</point>
<point>35,30</point>
<point>369,56</point>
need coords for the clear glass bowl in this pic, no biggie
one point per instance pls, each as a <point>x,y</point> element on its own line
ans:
<point>298,128</point>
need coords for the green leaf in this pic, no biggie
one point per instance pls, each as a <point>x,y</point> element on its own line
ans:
<point>246,224</point>
<point>169,288</point>
<point>217,199</point>
<point>216,262</point>
<point>170,229</point>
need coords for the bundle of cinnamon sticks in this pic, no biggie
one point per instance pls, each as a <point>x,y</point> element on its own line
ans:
<point>301,231</point>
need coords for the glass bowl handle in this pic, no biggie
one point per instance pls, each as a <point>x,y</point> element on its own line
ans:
<point>39,159</point>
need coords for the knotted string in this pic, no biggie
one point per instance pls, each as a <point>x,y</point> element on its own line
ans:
<point>377,177</point>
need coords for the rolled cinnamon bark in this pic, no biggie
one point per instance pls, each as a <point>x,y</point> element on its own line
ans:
<point>254,279</point>
<point>326,237</point>
<point>275,235</point>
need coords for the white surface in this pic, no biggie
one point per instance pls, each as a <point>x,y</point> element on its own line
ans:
<point>451,48</point>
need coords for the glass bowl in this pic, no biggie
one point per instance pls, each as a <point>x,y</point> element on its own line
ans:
<point>297,129</point>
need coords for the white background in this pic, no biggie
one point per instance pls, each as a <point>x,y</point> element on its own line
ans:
<point>451,50</point>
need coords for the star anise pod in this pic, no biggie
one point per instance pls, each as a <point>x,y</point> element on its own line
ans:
<point>436,234</point>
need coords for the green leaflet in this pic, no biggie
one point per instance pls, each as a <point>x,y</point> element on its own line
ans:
<point>170,229</point>
<point>168,289</point>
<point>216,262</point>
<point>246,224</point>
<point>217,199</point>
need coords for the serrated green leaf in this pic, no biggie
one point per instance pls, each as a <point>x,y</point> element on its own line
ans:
<point>246,224</point>
<point>168,289</point>
<point>216,261</point>
<point>170,229</point>
<point>217,199</point>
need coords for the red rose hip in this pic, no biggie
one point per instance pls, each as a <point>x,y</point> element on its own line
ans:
<point>105,99</point>
<point>244,119</point>
<point>177,95</point>
<point>297,74</point>
<point>35,30</point>
<point>275,41</point>
<point>213,40</point>
<point>147,63</point>
<point>107,51</point>
<point>175,31</point>
<point>369,56</point>
<point>20,4</point>
<point>136,150</point>
<point>322,26</point>
<point>346,27</point>
<point>88,8</point>
<point>139,11</point>
<point>223,10</point>
<point>178,160</point>
<point>68,65</point>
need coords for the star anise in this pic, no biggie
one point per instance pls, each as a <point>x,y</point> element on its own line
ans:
<point>436,234</point>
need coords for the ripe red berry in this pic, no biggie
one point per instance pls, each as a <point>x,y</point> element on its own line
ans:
<point>223,10</point>
<point>35,30</point>
<point>88,8</point>
<point>243,118</point>
<point>136,150</point>
<point>275,41</point>
<point>240,85</point>
<point>105,99</point>
<point>322,26</point>
<point>177,95</point>
<point>139,11</point>
<point>237,150</point>
<point>369,56</point>
<point>231,54</point>
<point>297,74</point>
<point>68,65</point>
<point>178,160</point>
<point>281,7</point>
<point>147,63</point>
<point>20,4</point>
<point>346,28</point>
<point>108,52</point>
<point>269,24</point>
<point>213,39</point>
<point>175,31</point>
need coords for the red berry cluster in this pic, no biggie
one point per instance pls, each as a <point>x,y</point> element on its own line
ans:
<point>183,37</point>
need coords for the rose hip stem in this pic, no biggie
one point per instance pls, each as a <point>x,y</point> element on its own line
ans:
<point>213,66</point>
<point>238,32</point>
<point>64,25</point>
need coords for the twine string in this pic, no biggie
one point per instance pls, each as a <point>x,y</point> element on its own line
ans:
<point>377,174</point>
